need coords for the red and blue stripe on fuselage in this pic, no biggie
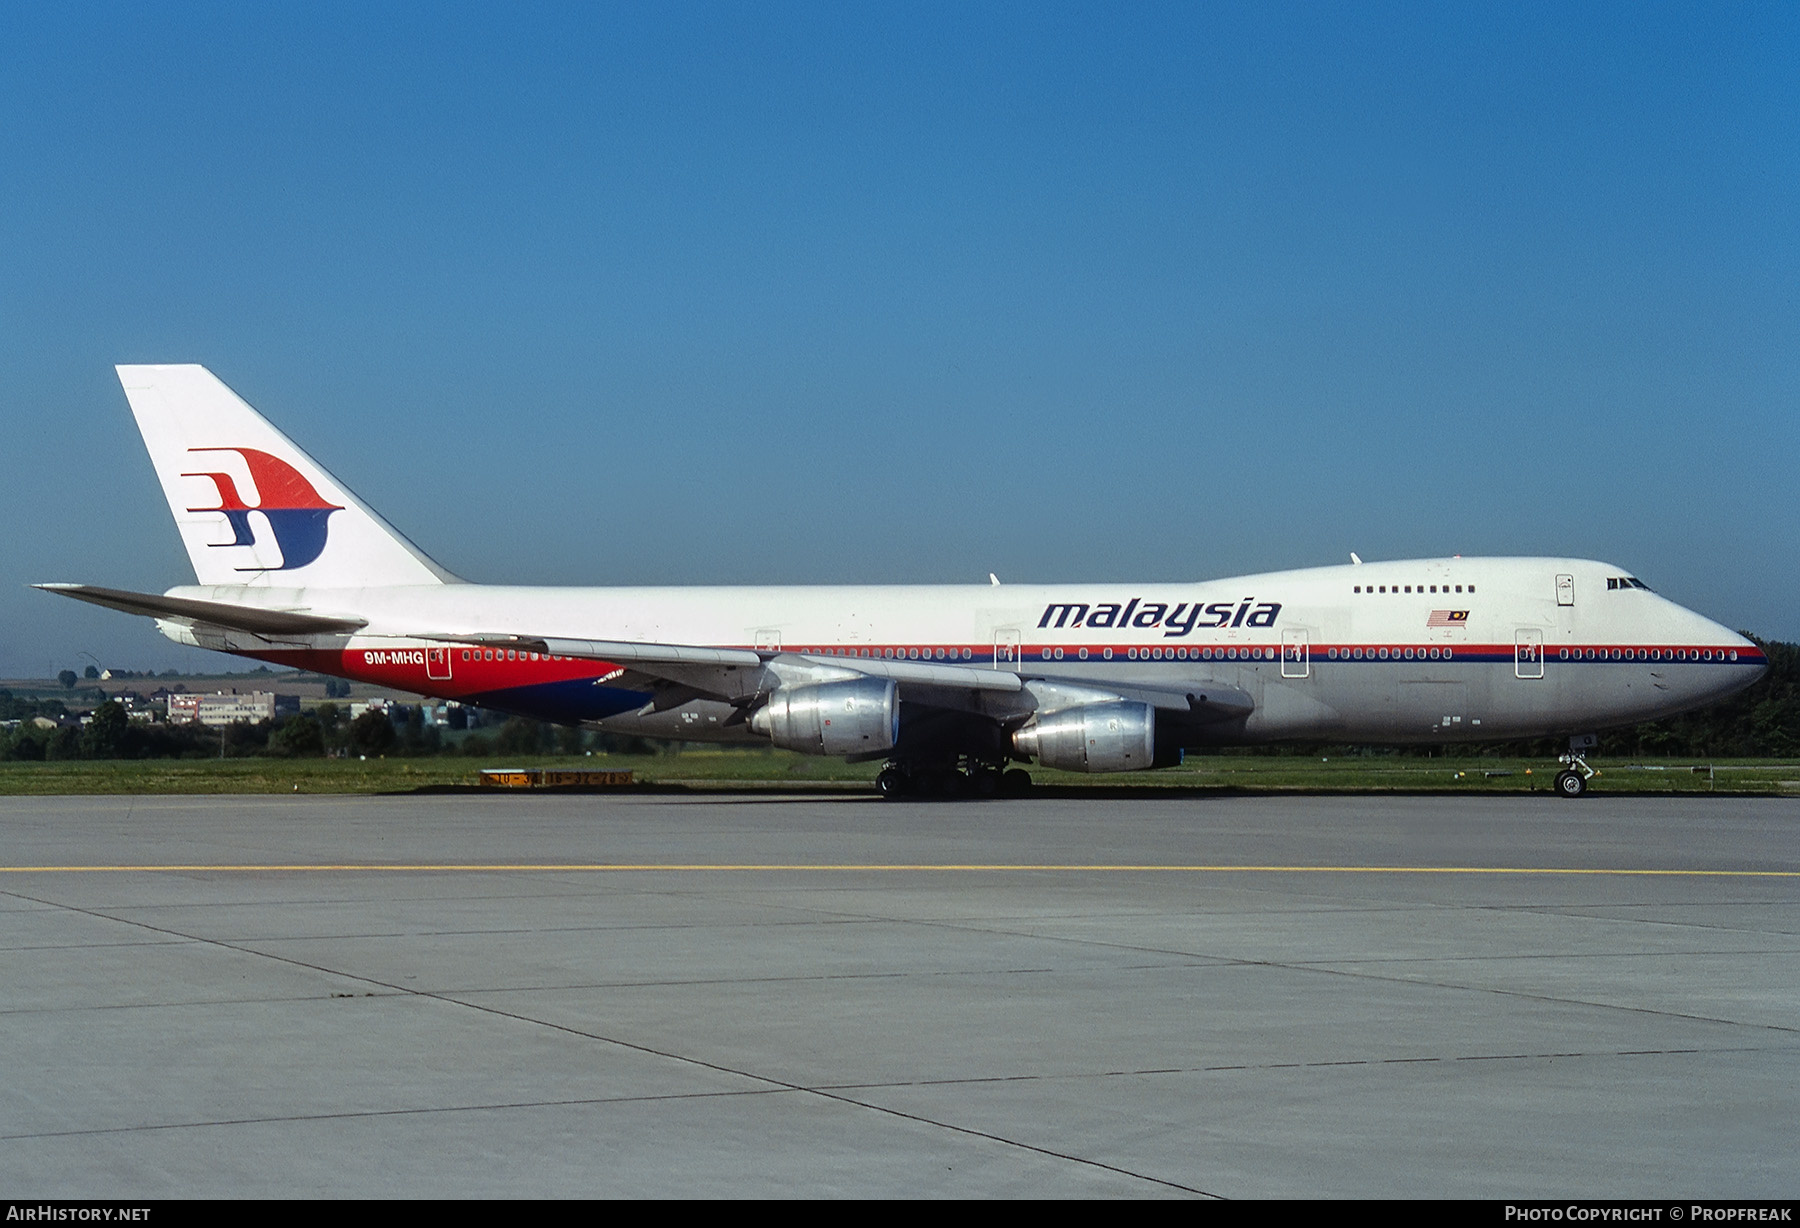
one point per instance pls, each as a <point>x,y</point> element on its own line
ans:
<point>570,690</point>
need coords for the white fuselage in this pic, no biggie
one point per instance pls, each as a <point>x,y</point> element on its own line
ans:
<point>1438,649</point>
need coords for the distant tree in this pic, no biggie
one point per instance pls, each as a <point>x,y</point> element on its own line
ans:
<point>623,744</point>
<point>412,730</point>
<point>457,717</point>
<point>571,739</point>
<point>521,736</point>
<point>104,737</point>
<point>24,743</point>
<point>243,738</point>
<point>67,678</point>
<point>19,709</point>
<point>64,743</point>
<point>297,737</point>
<point>372,733</point>
<point>92,671</point>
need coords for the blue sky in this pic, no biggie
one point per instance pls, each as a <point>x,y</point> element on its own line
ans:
<point>831,293</point>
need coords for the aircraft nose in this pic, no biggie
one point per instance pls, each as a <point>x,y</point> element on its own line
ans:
<point>1748,661</point>
<point>1748,649</point>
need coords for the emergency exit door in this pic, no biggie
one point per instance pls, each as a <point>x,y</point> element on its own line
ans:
<point>1007,642</point>
<point>1528,653</point>
<point>1296,654</point>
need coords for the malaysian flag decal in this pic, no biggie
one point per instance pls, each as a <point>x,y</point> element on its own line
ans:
<point>1448,618</point>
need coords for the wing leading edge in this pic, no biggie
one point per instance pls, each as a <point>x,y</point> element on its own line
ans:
<point>255,620</point>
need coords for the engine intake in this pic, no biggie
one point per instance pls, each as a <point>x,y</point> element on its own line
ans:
<point>1109,737</point>
<point>855,717</point>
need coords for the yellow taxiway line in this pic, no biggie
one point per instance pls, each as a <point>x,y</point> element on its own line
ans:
<point>857,868</point>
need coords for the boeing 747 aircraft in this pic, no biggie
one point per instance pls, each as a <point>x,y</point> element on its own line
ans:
<point>948,684</point>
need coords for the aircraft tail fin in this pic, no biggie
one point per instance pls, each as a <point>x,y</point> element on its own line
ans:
<point>252,508</point>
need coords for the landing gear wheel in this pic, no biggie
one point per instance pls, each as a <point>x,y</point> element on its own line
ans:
<point>1570,784</point>
<point>1016,781</point>
<point>984,782</point>
<point>946,782</point>
<point>891,784</point>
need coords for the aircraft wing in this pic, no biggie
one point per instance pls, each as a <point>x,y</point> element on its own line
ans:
<point>619,652</point>
<point>689,663</point>
<point>256,620</point>
<point>736,674</point>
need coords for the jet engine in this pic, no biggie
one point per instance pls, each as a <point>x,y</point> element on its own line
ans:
<point>1106,737</point>
<point>855,717</point>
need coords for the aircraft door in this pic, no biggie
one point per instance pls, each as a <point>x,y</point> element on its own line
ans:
<point>1296,654</point>
<point>768,639</point>
<point>437,664</point>
<point>1007,641</point>
<point>1528,653</point>
<point>1565,590</point>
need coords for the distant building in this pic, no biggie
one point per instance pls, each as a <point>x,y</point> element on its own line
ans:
<point>138,708</point>
<point>228,707</point>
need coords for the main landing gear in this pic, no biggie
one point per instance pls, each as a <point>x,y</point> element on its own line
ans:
<point>1572,781</point>
<point>950,779</point>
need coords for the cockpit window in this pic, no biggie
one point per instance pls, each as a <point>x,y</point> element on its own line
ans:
<point>1615,582</point>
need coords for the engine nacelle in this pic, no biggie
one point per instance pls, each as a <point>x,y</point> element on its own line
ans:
<point>855,717</point>
<point>1110,737</point>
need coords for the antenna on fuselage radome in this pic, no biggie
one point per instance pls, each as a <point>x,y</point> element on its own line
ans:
<point>993,579</point>
<point>1355,558</point>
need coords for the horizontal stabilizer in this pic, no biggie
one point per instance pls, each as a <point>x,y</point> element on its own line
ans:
<point>257,620</point>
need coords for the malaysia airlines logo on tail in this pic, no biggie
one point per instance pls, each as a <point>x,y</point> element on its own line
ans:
<point>296,514</point>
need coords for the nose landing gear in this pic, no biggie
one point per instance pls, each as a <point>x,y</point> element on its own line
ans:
<point>1572,781</point>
